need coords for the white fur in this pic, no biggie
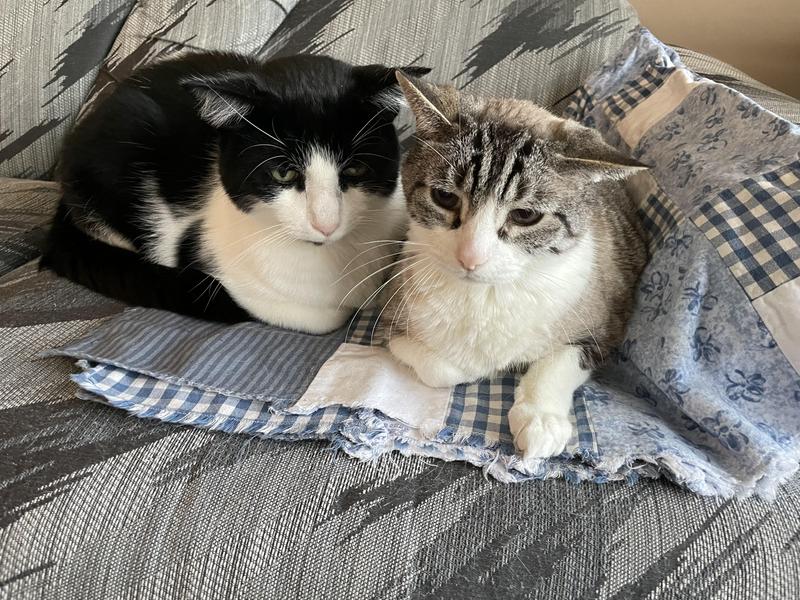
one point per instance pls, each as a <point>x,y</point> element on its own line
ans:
<point>264,259</point>
<point>167,226</point>
<point>109,235</point>
<point>322,194</point>
<point>539,419</point>
<point>466,325</point>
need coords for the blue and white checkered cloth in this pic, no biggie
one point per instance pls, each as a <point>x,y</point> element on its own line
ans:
<point>704,390</point>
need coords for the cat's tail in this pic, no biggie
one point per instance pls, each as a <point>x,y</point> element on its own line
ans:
<point>124,275</point>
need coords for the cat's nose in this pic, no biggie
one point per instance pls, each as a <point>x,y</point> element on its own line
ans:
<point>326,228</point>
<point>470,258</point>
<point>469,265</point>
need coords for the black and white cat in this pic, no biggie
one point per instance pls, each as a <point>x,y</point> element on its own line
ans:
<point>222,186</point>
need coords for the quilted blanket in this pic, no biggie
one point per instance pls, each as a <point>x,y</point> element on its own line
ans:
<point>704,390</point>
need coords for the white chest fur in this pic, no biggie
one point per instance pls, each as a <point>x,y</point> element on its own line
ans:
<point>294,283</point>
<point>486,328</point>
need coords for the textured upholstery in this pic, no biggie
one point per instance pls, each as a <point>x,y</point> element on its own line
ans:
<point>50,53</point>
<point>97,504</point>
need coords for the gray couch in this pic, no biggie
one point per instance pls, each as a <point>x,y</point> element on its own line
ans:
<point>97,504</point>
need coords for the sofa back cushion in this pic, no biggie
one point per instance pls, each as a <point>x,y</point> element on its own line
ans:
<point>50,53</point>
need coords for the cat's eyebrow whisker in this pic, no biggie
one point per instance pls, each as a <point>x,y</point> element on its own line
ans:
<point>370,154</point>
<point>262,146</point>
<point>419,139</point>
<point>367,135</point>
<point>365,125</point>
<point>361,137</point>
<point>245,119</point>
<point>253,170</point>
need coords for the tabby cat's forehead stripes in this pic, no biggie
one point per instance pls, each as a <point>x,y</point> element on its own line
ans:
<point>477,152</point>
<point>494,163</point>
<point>515,163</point>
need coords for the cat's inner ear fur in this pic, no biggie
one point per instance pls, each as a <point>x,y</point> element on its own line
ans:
<point>379,86</point>
<point>595,170</point>
<point>225,99</point>
<point>434,107</point>
<point>584,153</point>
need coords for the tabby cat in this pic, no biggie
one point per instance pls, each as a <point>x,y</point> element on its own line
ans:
<point>523,252</point>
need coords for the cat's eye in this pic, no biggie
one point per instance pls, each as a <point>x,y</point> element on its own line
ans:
<point>525,216</point>
<point>355,171</point>
<point>284,175</point>
<point>447,200</point>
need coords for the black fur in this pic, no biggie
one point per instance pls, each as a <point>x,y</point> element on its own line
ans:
<point>124,276</point>
<point>180,122</point>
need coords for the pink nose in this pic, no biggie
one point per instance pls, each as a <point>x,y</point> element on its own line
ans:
<point>325,228</point>
<point>469,259</point>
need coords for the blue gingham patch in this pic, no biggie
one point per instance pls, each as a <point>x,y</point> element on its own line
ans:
<point>579,105</point>
<point>636,91</point>
<point>755,227</point>
<point>660,217</point>
<point>152,398</point>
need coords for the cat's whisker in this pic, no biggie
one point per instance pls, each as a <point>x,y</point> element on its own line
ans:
<point>365,125</point>
<point>259,245</point>
<point>249,235</point>
<point>422,275</point>
<point>438,278</point>
<point>404,242</point>
<point>377,292</point>
<point>419,139</point>
<point>370,250</point>
<point>361,266</point>
<point>352,289</point>
<point>405,282</point>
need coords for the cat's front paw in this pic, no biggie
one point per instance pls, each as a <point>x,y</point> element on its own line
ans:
<point>538,434</point>
<point>431,370</point>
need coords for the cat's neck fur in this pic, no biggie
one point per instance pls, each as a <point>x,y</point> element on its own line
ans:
<point>492,327</point>
<point>289,282</point>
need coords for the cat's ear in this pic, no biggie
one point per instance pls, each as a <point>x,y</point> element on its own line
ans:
<point>378,85</point>
<point>585,154</point>
<point>433,106</point>
<point>597,170</point>
<point>225,99</point>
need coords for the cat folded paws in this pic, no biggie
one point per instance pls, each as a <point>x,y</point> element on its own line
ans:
<point>430,368</point>
<point>538,434</point>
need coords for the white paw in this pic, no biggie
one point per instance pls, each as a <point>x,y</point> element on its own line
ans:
<point>538,434</point>
<point>430,369</point>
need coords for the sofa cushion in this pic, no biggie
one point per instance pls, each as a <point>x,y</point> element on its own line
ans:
<point>537,50</point>
<point>26,207</point>
<point>50,53</point>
